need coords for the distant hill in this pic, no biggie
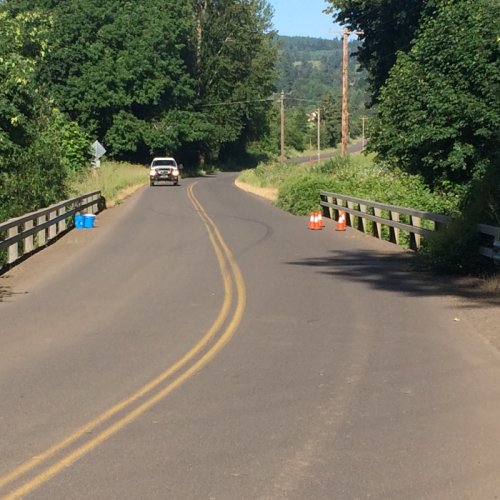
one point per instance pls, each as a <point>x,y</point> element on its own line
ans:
<point>311,69</point>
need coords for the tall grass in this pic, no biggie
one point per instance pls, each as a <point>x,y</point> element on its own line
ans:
<point>355,175</point>
<point>111,179</point>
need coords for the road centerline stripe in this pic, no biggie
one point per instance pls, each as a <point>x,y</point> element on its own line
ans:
<point>230,272</point>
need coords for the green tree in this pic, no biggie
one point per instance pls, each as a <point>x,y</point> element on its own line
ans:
<point>439,113</point>
<point>22,44</point>
<point>296,129</point>
<point>235,59</point>
<point>38,146</point>
<point>331,112</point>
<point>389,26</point>
<point>144,76</point>
<point>116,67</point>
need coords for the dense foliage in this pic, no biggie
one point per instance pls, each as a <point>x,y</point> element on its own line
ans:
<point>140,76</point>
<point>435,75</point>
<point>439,111</point>
<point>190,78</point>
<point>39,147</point>
<point>387,26</point>
<point>298,193</point>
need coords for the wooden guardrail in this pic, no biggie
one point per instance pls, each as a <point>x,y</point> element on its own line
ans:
<point>399,223</point>
<point>23,235</point>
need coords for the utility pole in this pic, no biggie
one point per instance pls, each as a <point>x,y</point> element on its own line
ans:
<point>282,108</point>
<point>345,86</point>
<point>319,135</point>
<point>363,119</point>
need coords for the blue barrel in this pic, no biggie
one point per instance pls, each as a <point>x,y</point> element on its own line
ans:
<point>79,221</point>
<point>88,221</point>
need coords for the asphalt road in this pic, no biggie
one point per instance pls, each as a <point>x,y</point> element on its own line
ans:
<point>201,344</point>
<point>352,148</point>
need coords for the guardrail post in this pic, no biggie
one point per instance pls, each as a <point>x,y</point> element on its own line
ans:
<point>350,218</point>
<point>329,199</point>
<point>28,242</point>
<point>415,239</point>
<point>394,231</point>
<point>336,211</point>
<point>41,235</point>
<point>52,227</point>
<point>13,251</point>
<point>61,225</point>
<point>362,220</point>
<point>377,226</point>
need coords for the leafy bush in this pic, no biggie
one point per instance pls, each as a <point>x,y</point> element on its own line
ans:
<point>299,194</point>
<point>352,175</point>
<point>35,179</point>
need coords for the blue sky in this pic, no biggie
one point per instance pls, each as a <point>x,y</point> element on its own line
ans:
<point>303,18</point>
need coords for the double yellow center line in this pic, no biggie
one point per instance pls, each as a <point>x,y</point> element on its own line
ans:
<point>41,468</point>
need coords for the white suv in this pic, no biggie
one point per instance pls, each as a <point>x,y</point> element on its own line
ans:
<point>164,169</point>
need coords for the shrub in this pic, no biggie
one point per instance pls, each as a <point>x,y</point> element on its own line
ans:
<point>299,194</point>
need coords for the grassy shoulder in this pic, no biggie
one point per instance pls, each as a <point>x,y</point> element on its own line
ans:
<point>115,180</point>
<point>298,185</point>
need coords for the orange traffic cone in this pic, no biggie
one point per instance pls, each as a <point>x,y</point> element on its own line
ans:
<point>311,224</point>
<point>341,223</point>
<point>316,222</point>
<point>320,220</point>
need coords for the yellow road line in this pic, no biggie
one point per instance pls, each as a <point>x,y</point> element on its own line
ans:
<point>216,240</point>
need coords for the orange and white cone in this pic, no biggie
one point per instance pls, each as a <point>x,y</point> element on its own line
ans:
<point>320,220</point>
<point>311,224</point>
<point>316,222</point>
<point>341,223</point>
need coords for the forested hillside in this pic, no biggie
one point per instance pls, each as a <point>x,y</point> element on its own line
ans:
<point>311,68</point>
<point>310,74</point>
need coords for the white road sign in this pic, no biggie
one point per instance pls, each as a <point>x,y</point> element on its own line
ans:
<point>98,149</point>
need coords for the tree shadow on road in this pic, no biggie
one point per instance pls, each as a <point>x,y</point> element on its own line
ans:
<point>396,273</point>
<point>5,292</point>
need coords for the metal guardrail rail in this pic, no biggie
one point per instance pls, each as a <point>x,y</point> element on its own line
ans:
<point>23,235</point>
<point>417,224</point>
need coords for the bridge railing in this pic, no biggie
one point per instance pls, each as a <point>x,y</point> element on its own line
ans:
<point>400,225</point>
<point>21,236</point>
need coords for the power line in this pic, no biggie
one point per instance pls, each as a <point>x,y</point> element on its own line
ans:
<point>301,100</point>
<point>230,103</point>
